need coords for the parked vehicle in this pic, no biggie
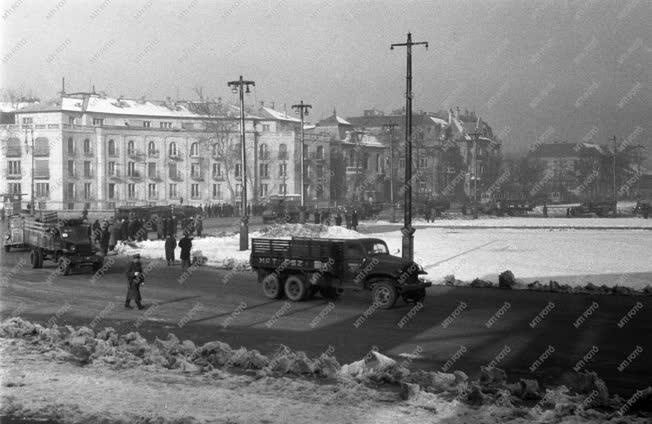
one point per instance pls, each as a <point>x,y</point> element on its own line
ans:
<point>301,267</point>
<point>282,210</point>
<point>599,208</point>
<point>65,242</point>
<point>643,208</point>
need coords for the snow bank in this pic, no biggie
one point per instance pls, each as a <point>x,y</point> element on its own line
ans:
<point>528,222</point>
<point>224,251</point>
<point>442,393</point>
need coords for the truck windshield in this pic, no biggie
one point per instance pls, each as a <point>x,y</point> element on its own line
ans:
<point>376,248</point>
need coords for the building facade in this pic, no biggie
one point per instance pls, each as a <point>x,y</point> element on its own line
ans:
<point>87,150</point>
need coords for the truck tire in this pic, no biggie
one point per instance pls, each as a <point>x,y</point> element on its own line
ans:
<point>383,294</point>
<point>272,287</point>
<point>296,288</point>
<point>36,258</point>
<point>7,248</point>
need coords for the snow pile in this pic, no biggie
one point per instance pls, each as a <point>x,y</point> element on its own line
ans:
<point>429,390</point>
<point>506,280</point>
<point>224,251</point>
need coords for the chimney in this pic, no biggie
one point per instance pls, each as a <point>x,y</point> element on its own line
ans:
<point>273,104</point>
<point>63,86</point>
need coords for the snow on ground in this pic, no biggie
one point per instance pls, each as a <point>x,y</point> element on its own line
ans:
<point>530,222</point>
<point>71,374</point>
<point>574,257</point>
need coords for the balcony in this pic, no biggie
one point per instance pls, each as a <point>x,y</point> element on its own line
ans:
<point>282,155</point>
<point>315,156</point>
<point>39,153</point>
<point>71,152</point>
<point>88,153</point>
<point>155,176</point>
<point>42,174</point>
<point>115,176</point>
<point>197,177</point>
<point>175,176</point>
<point>218,177</point>
<point>14,176</point>
<point>175,156</point>
<point>14,152</point>
<point>153,154</point>
<point>134,154</point>
<point>88,175</point>
<point>135,176</point>
<point>264,156</point>
<point>114,154</point>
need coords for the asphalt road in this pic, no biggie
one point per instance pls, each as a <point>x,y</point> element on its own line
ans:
<point>454,322</point>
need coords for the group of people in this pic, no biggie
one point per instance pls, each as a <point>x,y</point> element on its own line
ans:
<point>348,215</point>
<point>169,225</point>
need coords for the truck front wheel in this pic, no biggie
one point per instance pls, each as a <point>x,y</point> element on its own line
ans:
<point>383,294</point>
<point>296,288</point>
<point>272,287</point>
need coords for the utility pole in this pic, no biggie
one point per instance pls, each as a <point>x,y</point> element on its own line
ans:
<point>475,136</point>
<point>32,205</point>
<point>390,129</point>
<point>302,109</point>
<point>239,86</point>
<point>408,230</point>
<point>614,198</point>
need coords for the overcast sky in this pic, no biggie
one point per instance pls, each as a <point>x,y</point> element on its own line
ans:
<point>546,70</point>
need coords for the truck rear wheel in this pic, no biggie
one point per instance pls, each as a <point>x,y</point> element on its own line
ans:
<point>383,294</point>
<point>36,258</point>
<point>272,287</point>
<point>296,288</point>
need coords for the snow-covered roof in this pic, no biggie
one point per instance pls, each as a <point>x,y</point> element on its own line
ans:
<point>333,120</point>
<point>14,106</point>
<point>439,121</point>
<point>276,115</point>
<point>112,106</point>
<point>364,139</point>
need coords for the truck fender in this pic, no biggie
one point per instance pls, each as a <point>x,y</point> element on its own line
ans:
<point>378,277</point>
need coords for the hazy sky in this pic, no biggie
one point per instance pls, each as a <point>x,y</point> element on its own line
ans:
<point>533,69</point>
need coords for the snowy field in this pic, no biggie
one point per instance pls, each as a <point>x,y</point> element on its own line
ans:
<point>574,257</point>
<point>530,222</point>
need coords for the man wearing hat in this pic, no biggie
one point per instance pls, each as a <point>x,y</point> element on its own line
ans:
<point>135,278</point>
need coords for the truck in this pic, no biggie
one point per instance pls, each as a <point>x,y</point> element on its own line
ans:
<point>65,242</point>
<point>599,208</point>
<point>301,267</point>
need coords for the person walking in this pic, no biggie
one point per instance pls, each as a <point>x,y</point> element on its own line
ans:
<point>354,220</point>
<point>170,245</point>
<point>338,219</point>
<point>347,218</point>
<point>134,280</point>
<point>545,210</point>
<point>185,244</point>
<point>317,217</point>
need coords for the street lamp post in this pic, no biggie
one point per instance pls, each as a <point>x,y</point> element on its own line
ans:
<point>408,230</point>
<point>390,130</point>
<point>239,86</point>
<point>475,136</point>
<point>302,109</point>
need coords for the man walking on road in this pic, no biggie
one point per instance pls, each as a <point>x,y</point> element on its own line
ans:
<point>185,244</point>
<point>170,245</point>
<point>134,279</point>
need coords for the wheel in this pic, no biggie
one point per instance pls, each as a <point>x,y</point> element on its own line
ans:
<point>272,286</point>
<point>7,248</point>
<point>383,294</point>
<point>414,296</point>
<point>64,265</point>
<point>296,288</point>
<point>329,292</point>
<point>36,258</point>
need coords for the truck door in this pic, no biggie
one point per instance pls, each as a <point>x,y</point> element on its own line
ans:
<point>354,256</point>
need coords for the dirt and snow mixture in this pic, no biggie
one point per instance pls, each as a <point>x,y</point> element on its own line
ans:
<point>74,375</point>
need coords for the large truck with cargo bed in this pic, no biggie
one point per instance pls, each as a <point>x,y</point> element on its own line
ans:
<point>301,267</point>
<point>65,242</point>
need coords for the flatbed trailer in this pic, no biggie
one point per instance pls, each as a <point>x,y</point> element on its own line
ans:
<point>301,267</point>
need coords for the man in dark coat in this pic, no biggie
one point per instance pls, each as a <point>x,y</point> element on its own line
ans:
<point>185,244</point>
<point>170,245</point>
<point>338,219</point>
<point>317,217</point>
<point>354,220</point>
<point>134,279</point>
